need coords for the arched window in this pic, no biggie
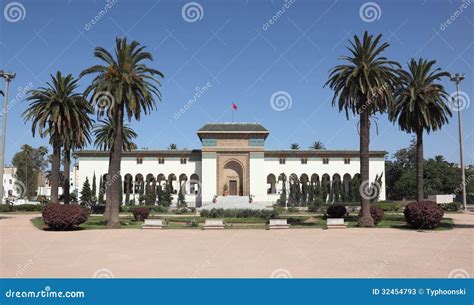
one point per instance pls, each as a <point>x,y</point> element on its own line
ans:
<point>271,184</point>
<point>194,184</point>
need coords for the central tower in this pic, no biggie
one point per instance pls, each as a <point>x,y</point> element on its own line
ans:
<point>232,159</point>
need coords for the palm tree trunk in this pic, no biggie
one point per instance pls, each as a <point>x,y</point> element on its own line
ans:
<point>419,166</point>
<point>55,167</point>
<point>114,179</point>
<point>365,220</point>
<point>67,169</point>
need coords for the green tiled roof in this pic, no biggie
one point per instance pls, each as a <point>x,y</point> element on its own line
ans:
<point>232,127</point>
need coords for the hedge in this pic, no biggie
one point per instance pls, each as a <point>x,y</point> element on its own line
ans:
<point>239,213</point>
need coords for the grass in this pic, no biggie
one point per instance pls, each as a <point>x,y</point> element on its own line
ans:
<point>391,220</point>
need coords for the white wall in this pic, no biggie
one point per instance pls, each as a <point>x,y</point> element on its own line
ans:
<point>209,176</point>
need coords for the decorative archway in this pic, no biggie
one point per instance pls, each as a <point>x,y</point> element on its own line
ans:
<point>233,179</point>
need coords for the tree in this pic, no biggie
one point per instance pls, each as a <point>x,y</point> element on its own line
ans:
<point>295,146</point>
<point>100,198</point>
<point>54,111</point>
<point>317,145</point>
<point>86,193</point>
<point>421,104</point>
<point>364,86</point>
<point>29,162</point>
<point>128,87</point>
<point>172,146</point>
<point>94,190</point>
<point>104,132</point>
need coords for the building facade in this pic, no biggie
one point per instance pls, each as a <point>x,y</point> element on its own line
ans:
<point>231,162</point>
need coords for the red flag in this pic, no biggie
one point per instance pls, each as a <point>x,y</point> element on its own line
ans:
<point>234,106</point>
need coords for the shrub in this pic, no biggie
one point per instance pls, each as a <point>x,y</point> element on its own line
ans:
<point>28,207</point>
<point>336,211</point>
<point>141,213</point>
<point>239,213</point>
<point>377,214</point>
<point>424,214</point>
<point>6,208</point>
<point>63,217</point>
<point>452,207</point>
<point>98,209</point>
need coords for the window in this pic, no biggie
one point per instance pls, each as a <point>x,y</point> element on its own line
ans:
<point>139,160</point>
<point>10,181</point>
<point>161,160</point>
<point>183,160</point>
<point>325,161</point>
<point>282,160</point>
<point>347,161</point>
<point>304,161</point>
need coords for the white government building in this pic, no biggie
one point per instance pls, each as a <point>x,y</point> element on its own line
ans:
<point>232,163</point>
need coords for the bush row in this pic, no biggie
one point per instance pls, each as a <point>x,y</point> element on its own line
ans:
<point>239,213</point>
<point>4,208</point>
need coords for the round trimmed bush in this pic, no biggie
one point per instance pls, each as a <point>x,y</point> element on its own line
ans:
<point>336,211</point>
<point>377,214</point>
<point>63,217</point>
<point>140,214</point>
<point>423,215</point>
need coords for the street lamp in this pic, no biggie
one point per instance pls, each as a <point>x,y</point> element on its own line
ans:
<point>8,76</point>
<point>457,78</point>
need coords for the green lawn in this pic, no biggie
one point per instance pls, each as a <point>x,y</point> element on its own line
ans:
<point>391,220</point>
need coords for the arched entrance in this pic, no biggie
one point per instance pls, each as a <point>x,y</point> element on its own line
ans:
<point>232,175</point>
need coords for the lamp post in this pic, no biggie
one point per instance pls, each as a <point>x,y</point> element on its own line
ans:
<point>8,76</point>
<point>457,78</point>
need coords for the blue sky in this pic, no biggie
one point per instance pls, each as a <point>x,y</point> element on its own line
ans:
<point>232,49</point>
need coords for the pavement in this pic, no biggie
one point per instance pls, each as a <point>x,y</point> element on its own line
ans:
<point>27,252</point>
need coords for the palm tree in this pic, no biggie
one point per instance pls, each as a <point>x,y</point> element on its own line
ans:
<point>104,136</point>
<point>131,88</point>
<point>317,145</point>
<point>77,137</point>
<point>172,146</point>
<point>421,104</point>
<point>364,86</point>
<point>54,111</point>
<point>295,146</point>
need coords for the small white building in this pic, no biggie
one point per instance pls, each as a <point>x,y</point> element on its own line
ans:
<point>231,162</point>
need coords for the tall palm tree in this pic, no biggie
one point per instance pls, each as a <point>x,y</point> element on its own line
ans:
<point>53,111</point>
<point>172,146</point>
<point>131,87</point>
<point>295,146</point>
<point>77,137</point>
<point>104,136</point>
<point>317,145</point>
<point>421,104</point>
<point>364,86</point>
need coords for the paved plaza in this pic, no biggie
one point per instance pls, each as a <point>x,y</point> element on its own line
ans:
<point>28,252</point>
